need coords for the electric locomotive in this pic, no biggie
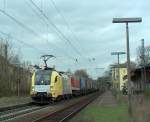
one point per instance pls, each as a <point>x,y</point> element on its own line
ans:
<point>46,84</point>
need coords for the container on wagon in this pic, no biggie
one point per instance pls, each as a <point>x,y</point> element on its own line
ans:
<point>82,83</point>
<point>75,83</point>
<point>89,84</point>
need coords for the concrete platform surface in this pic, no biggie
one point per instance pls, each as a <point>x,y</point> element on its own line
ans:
<point>106,99</point>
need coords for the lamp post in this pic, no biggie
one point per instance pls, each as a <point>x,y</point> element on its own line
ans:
<point>126,21</point>
<point>118,54</point>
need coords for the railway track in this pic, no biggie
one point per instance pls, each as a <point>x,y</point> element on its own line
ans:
<point>55,112</point>
<point>14,107</point>
<point>66,113</point>
<point>9,113</point>
<point>12,112</point>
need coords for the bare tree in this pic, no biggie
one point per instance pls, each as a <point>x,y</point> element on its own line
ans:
<point>13,73</point>
<point>81,73</point>
<point>146,57</point>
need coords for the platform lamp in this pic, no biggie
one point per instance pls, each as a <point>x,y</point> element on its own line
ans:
<point>126,21</point>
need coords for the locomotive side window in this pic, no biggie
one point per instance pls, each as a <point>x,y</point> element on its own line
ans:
<point>56,79</point>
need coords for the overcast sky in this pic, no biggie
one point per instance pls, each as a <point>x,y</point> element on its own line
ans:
<point>87,24</point>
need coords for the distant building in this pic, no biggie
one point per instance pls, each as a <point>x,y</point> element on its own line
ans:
<point>119,77</point>
<point>123,77</point>
<point>141,78</point>
<point>115,81</point>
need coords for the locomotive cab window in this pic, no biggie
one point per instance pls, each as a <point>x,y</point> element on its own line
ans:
<point>42,77</point>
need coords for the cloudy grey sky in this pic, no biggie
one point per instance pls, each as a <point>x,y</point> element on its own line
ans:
<point>87,24</point>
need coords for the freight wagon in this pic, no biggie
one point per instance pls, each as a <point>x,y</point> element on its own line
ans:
<point>66,86</point>
<point>75,86</point>
<point>83,86</point>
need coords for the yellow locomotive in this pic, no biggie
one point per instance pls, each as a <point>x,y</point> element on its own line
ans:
<point>46,85</point>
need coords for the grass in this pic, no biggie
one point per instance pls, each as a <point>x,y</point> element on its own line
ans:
<point>6,101</point>
<point>95,113</point>
<point>104,114</point>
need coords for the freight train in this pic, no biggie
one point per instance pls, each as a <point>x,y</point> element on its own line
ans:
<point>50,85</point>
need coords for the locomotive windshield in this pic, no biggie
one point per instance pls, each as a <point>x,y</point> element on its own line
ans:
<point>42,77</point>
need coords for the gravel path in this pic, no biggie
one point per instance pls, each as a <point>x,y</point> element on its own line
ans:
<point>106,99</point>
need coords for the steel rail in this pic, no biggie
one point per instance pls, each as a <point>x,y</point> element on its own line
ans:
<point>66,113</point>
